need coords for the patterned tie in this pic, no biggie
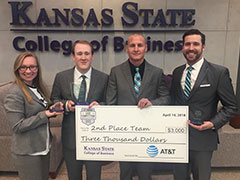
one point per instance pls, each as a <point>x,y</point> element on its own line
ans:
<point>82,91</point>
<point>137,81</point>
<point>187,86</point>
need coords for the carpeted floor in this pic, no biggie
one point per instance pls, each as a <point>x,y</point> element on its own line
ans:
<point>111,173</point>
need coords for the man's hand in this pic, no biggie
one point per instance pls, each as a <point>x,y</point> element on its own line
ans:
<point>143,103</point>
<point>94,103</point>
<point>70,105</point>
<point>206,125</point>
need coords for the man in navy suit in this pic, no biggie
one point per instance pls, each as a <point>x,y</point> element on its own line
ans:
<point>122,91</point>
<point>201,89</point>
<point>64,91</point>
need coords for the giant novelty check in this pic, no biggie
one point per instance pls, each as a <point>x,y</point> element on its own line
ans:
<point>127,133</point>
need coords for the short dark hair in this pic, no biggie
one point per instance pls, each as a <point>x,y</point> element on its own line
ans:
<point>138,34</point>
<point>193,32</point>
<point>82,42</point>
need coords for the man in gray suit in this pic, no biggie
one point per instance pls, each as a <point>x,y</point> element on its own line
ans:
<point>92,85</point>
<point>136,82</point>
<point>201,89</point>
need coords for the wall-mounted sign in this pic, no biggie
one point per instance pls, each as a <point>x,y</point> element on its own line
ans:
<point>87,21</point>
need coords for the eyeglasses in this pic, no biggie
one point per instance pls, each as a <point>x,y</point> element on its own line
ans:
<point>24,68</point>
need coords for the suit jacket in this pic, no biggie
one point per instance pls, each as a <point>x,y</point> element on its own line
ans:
<point>120,89</point>
<point>28,122</point>
<point>213,84</point>
<point>62,91</point>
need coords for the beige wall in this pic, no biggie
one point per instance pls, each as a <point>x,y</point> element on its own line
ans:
<point>218,19</point>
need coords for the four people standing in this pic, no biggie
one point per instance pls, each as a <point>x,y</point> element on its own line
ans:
<point>198,84</point>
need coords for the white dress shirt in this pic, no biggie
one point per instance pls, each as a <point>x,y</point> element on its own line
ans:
<point>78,81</point>
<point>194,74</point>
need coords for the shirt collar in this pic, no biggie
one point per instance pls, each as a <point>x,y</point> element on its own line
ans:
<point>141,67</point>
<point>77,74</point>
<point>197,65</point>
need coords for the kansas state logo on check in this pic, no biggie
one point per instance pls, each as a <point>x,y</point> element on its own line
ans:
<point>88,116</point>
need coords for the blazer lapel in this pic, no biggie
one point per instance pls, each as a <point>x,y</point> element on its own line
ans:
<point>127,73</point>
<point>202,74</point>
<point>146,77</point>
<point>93,84</point>
<point>69,82</point>
<point>36,99</point>
<point>179,79</point>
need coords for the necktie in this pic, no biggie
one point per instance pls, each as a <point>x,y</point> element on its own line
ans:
<point>187,86</point>
<point>82,91</point>
<point>137,81</point>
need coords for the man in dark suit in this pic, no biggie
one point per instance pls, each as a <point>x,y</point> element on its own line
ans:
<point>123,89</point>
<point>201,89</point>
<point>68,88</point>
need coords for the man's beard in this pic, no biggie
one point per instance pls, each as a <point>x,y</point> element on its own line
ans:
<point>198,55</point>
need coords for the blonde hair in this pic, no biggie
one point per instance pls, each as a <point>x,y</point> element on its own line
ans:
<point>37,81</point>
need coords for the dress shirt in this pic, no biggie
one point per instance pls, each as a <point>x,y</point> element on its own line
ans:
<point>45,104</point>
<point>133,69</point>
<point>194,74</point>
<point>78,81</point>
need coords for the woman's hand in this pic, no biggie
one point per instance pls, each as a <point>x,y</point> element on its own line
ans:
<point>55,109</point>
